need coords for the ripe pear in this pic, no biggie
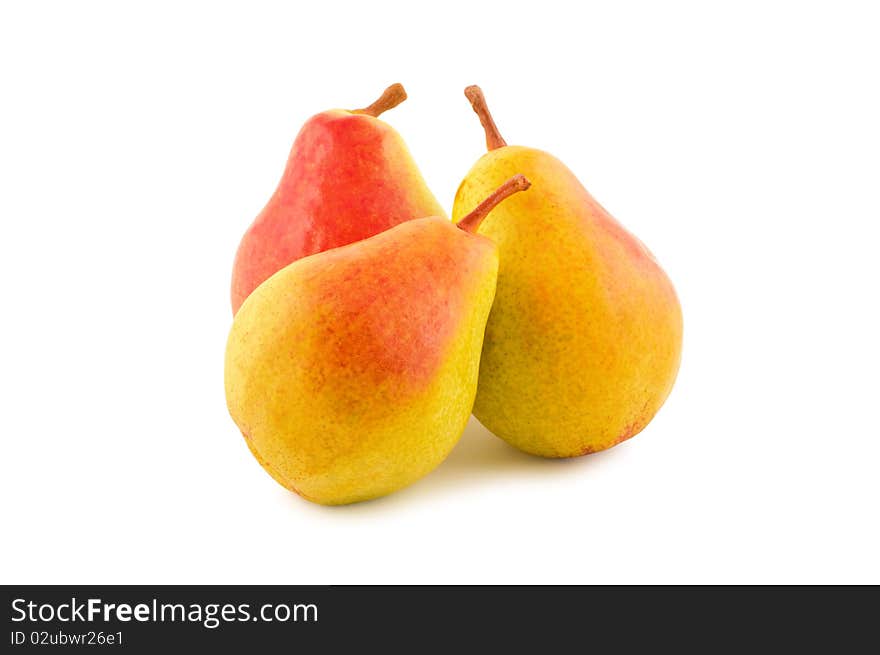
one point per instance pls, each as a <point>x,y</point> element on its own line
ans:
<point>349,176</point>
<point>584,339</point>
<point>352,373</point>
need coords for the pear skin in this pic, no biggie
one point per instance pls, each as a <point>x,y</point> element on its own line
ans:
<point>583,343</point>
<point>352,373</point>
<point>349,176</point>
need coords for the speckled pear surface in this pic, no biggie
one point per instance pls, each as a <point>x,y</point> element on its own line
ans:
<point>584,339</point>
<point>352,373</point>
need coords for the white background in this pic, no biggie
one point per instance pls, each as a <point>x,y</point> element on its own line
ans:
<point>740,141</point>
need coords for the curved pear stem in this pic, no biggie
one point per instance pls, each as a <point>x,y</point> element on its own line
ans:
<point>472,221</point>
<point>390,98</point>
<point>478,102</point>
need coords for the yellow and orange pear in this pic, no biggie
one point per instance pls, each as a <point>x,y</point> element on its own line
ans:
<point>584,339</point>
<point>352,372</point>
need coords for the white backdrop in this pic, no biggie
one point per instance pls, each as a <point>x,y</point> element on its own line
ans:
<point>740,142</point>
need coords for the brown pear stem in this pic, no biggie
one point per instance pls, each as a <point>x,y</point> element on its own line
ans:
<point>478,102</point>
<point>390,98</point>
<point>472,221</point>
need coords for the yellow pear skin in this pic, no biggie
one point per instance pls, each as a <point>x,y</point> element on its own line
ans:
<point>351,373</point>
<point>583,342</point>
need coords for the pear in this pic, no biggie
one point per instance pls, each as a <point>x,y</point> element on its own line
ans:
<point>349,176</point>
<point>351,373</point>
<point>584,339</point>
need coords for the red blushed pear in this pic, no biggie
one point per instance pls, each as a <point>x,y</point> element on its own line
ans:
<point>352,373</point>
<point>584,340</point>
<point>349,176</point>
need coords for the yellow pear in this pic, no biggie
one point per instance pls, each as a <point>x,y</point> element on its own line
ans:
<point>352,372</point>
<point>584,339</point>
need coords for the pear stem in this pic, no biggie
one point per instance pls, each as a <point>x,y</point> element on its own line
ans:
<point>390,98</point>
<point>472,221</point>
<point>478,102</point>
